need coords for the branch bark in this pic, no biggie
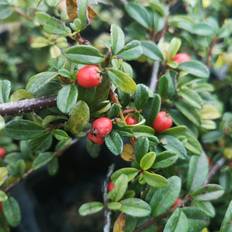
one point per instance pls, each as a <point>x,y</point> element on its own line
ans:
<point>28,105</point>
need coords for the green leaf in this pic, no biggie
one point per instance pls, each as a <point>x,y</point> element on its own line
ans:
<point>82,11</point>
<point>172,144</point>
<point>163,199</point>
<point>114,142</point>
<point>132,51</point>
<point>143,131</point>
<point>135,207</point>
<point>20,94</point>
<point>114,205</point>
<point>2,123</point>
<point>195,68</point>
<point>52,25</point>
<point>206,207</point>
<point>152,108</point>
<point>177,222</point>
<point>198,172</point>
<point>41,160</point>
<point>197,219</point>
<point>3,175</point>
<point>141,147</point>
<point>67,98</point>
<point>11,211</point>
<point>165,159</point>
<point>5,9</point>
<point>122,81</point>
<point>151,50</point>
<point>3,196</point>
<point>84,54</point>
<point>208,192</point>
<point>139,14</point>
<point>23,129</point>
<point>90,208</point>
<point>148,160</point>
<point>226,223</point>
<point>189,112</point>
<point>79,117</point>
<point>41,143</point>
<point>202,29</point>
<point>155,180</point>
<point>174,47</point>
<point>117,38</point>
<point>53,166</point>
<point>39,81</point>
<point>5,87</point>
<point>131,173</point>
<point>141,96</point>
<point>120,188</point>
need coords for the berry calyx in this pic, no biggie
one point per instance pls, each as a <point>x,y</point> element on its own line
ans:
<point>181,58</point>
<point>2,152</point>
<point>131,120</point>
<point>162,122</point>
<point>110,186</point>
<point>89,76</point>
<point>102,127</point>
<point>95,139</point>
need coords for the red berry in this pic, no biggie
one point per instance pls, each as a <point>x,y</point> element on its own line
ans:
<point>102,127</point>
<point>110,186</point>
<point>2,152</point>
<point>95,139</point>
<point>89,76</point>
<point>178,203</point>
<point>162,122</point>
<point>131,121</point>
<point>181,57</point>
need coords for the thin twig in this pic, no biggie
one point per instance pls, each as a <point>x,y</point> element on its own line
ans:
<point>107,212</point>
<point>26,174</point>
<point>145,225</point>
<point>154,76</point>
<point>29,105</point>
<point>216,167</point>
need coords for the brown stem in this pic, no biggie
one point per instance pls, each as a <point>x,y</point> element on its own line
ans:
<point>216,167</point>
<point>29,105</point>
<point>210,51</point>
<point>145,225</point>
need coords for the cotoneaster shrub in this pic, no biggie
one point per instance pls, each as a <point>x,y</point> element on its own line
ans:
<point>173,129</point>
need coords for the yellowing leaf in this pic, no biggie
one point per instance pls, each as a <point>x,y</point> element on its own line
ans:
<point>205,230</point>
<point>128,152</point>
<point>71,6</point>
<point>206,3</point>
<point>119,223</point>
<point>3,175</point>
<point>228,152</point>
<point>210,112</point>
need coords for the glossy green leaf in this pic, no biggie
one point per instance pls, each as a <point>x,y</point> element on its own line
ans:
<point>41,160</point>
<point>39,81</point>
<point>120,188</point>
<point>147,160</point>
<point>177,222</point>
<point>163,199</point>
<point>12,212</point>
<point>155,180</point>
<point>198,171</point>
<point>202,29</point>
<point>90,208</point>
<point>79,117</point>
<point>23,129</point>
<point>132,51</point>
<point>67,98</point>
<point>122,81</point>
<point>165,159</point>
<point>195,68</point>
<point>84,54</point>
<point>151,50</point>
<point>5,88</point>
<point>226,223</point>
<point>141,96</point>
<point>135,207</point>
<point>130,172</point>
<point>141,147</point>
<point>82,11</point>
<point>117,38</point>
<point>205,206</point>
<point>114,142</point>
<point>174,47</point>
